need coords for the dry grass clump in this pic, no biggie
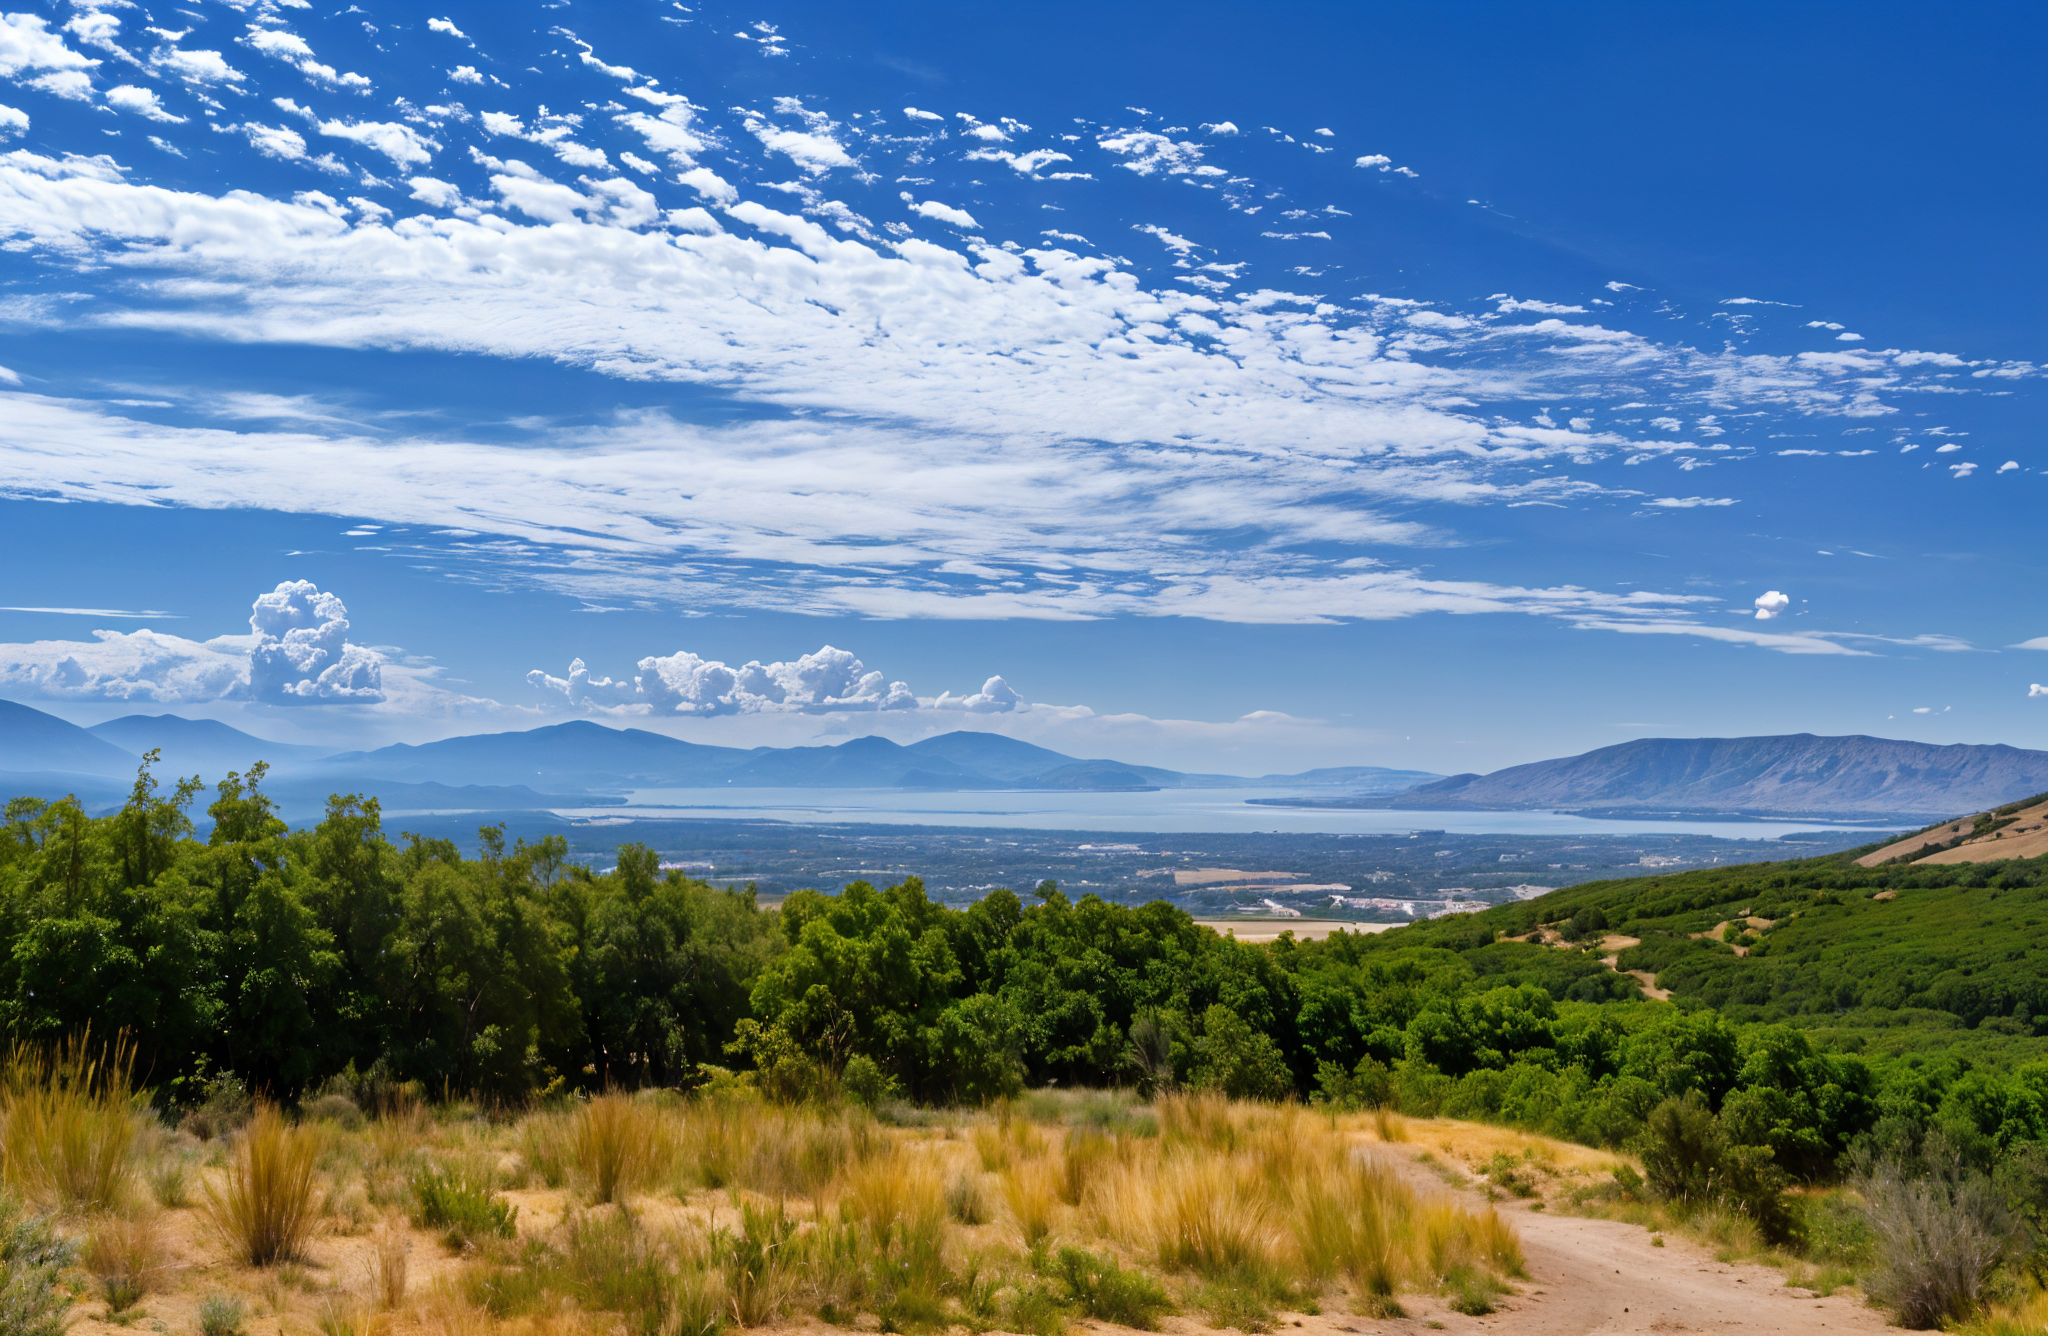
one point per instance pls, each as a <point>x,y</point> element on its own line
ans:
<point>618,1145</point>
<point>126,1257</point>
<point>266,1206</point>
<point>70,1124</point>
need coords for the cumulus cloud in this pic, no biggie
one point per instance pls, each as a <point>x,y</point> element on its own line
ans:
<point>944,213</point>
<point>28,45</point>
<point>142,102</point>
<point>401,143</point>
<point>302,655</point>
<point>2038,642</point>
<point>199,67</point>
<point>829,681</point>
<point>13,121</point>
<point>296,652</point>
<point>2036,689</point>
<point>1770,604</point>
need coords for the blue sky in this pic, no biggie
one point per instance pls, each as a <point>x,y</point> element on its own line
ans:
<point>1246,388</point>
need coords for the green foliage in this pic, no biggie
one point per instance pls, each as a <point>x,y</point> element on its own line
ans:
<point>462,1206</point>
<point>221,1315</point>
<point>1101,1289</point>
<point>32,1254</point>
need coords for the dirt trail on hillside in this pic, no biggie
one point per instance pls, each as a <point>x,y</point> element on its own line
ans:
<point>1603,1276</point>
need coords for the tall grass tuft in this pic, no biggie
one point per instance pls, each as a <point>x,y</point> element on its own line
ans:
<point>390,1257</point>
<point>125,1256</point>
<point>618,1144</point>
<point>266,1206</point>
<point>1032,1191</point>
<point>71,1124</point>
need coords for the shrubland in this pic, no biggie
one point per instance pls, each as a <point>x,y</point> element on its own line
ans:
<point>1834,1032</point>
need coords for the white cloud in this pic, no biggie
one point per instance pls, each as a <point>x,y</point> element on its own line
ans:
<point>1770,604</point>
<point>2008,466</point>
<point>27,44</point>
<point>275,141</point>
<point>1788,643</point>
<point>2038,642</point>
<point>302,655</point>
<point>829,681</point>
<point>142,102</point>
<point>1379,160</point>
<point>400,143</point>
<point>289,47</point>
<point>70,84</point>
<point>2036,689</point>
<point>1962,470</point>
<point>1147,153</point>
<point>201,67</point>
<point>445,25</point>
<point>465,74</point>
<point>296,653</point>
<point>914,114</point>
<point>13,121</point>
<point>440,194</point>
<point>1220,129</point>
<point>944,213</point>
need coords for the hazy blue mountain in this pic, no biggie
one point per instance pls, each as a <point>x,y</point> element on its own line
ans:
<point>31,741</point>
<point>1796,775</point>
<point>203,746</point>
<point>577,754</point>
<point>989,754</point>
<point>1363,779</point>
<point>566,763</point>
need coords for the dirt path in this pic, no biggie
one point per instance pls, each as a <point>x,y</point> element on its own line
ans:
<point>1614,944</point>
<point>1602,1276</point>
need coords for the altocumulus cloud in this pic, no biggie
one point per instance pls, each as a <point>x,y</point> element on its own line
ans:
<point>964,428</point>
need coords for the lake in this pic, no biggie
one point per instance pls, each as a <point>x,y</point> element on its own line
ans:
<point>1161,811</point>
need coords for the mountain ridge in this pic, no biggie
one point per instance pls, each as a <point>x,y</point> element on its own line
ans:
<point>1795,774</point>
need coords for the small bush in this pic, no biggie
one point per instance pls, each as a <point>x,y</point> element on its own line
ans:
<point>226,1106</point>
<point>1938,1238</point>
<point>337,1109</point>
<point>462,1206</point>
<point>265,1208</point>
<point>1102,1289</point>
<point>1036,1312</point>
<point>1241,1306</point>
<point>865,1082</point>
<point>32,1254</point>
<point>221,1315</point>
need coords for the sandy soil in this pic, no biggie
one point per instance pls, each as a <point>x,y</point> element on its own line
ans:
<point>1304,929</point>
<point>1614,944</point>
<point>2026,837</point>
<point>1606,1277</point>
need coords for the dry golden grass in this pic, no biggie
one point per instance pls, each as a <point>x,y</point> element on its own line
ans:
<point>662,1216</point>
<point>266,1206</point>
<point>618,1144</point>
<point>70,1124</point>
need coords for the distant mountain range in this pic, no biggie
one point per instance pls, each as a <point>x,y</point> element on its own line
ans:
<point>1797,775</point>
<point>579,763</point>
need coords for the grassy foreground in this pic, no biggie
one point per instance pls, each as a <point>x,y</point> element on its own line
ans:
<point>664,1215</point>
